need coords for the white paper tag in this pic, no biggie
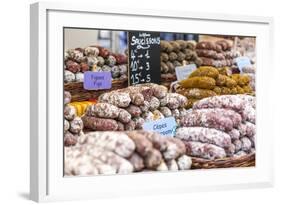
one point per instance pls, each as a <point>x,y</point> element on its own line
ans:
<point>242,62</point>
<point>166,126</point>
<point>182,72</point>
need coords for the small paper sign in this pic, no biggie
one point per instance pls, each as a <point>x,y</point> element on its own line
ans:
<point>166,126</point>
<point>182,72</point>
<point>243,62</point>
<point>97,80</point>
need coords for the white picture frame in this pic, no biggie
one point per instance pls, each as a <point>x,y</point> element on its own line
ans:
<point>46,102</point>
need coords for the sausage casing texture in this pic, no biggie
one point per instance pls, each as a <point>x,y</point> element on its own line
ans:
<point>99,124</point>
<point>221,119</point>
<point>205,135</point>
<point>204,150</point>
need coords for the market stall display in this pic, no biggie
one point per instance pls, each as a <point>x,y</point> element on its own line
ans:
<point>246,47</point>
<point>129,108</point>
<point>217,54</point>
<point>93,58</point>
<point>81,106</point>
<point>73,125</point>
<point>220,126</point>
<point>211,105</point>
<point>125,152</point>
<point>174,54</point>
<point>251,72</point>
<point>209,81</point>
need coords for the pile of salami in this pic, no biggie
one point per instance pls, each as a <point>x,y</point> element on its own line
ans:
<point>93,58</point>
<point>129,108</point>
<point>124,152</point>
<point>220,126</point>
<point>247,47</point>
<point>251,72</point>
<point>209,81</point>
<point>177,53</point>
<point>217,54</point>
<point>73,125</point>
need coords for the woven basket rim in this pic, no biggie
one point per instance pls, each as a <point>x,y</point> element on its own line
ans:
<point>113,81</point>
<point>226,159</point>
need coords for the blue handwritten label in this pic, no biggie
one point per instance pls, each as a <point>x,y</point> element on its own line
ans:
<point>166,126</point>
<point>243,62</point>
<point>97,80</point>
<point>182,72</point>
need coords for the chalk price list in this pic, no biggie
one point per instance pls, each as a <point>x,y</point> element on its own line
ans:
<point>137,69</point>
<point>144,51</point>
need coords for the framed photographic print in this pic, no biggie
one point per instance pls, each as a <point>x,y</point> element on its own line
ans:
<point>171,102</point>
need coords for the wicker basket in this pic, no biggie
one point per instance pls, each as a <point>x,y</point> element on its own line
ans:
<point>243,161</point>
<point>78,93</point>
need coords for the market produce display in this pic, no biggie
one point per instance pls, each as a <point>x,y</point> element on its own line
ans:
<point>93,58</point>
<point>217,54</point>
<point>125,152</point>
<point>72,125</point>
<point>251,72</point>
<point>81,106</point>
<point>177,53</point>
<point>129,108</point>
<point>209,81</point>
<point>247,47</point>
<point>219,126</point>
<point>208,108</point>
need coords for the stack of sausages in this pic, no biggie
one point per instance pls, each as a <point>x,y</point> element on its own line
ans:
<point>219,127</point>
<point>251,72</point>
<point>129,108</point>
<point>125,152</point>
<point>217,54</point>
<point>177,53</point>
<point>209,81</point>
<point>247,47</point>
<point>93,58</point>
<point>73,125</point>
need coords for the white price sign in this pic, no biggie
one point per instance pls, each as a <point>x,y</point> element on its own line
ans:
<point>182,72</point>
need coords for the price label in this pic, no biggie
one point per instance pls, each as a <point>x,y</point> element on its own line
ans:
<point>97,80</point>
<point>243,62</point>
<point>166,126</point>
<point>182,72</point>
<point>144,60</point>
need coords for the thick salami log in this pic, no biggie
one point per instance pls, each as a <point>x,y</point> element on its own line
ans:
<point>119,99</point>
<point>204,150</point>
<point>117,142</point>
<point>247,129</point>
<point>99,124</point>
<point>174,101</point>
<point>134,110</point>
<point>137,162</point>
<point>242,104</point>
<point>221,119</point>
<point>246,144</point>
<point>234,134</point>
<point>143,145</point>
<point>69,112</point>
<point>69,139</point>
<point>154,103</point>
<point>205,135</point>
<point>103,110</point>
<point>124,116</point>
<point>76,125</point>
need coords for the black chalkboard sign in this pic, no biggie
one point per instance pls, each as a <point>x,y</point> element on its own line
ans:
<point>144,57</point>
